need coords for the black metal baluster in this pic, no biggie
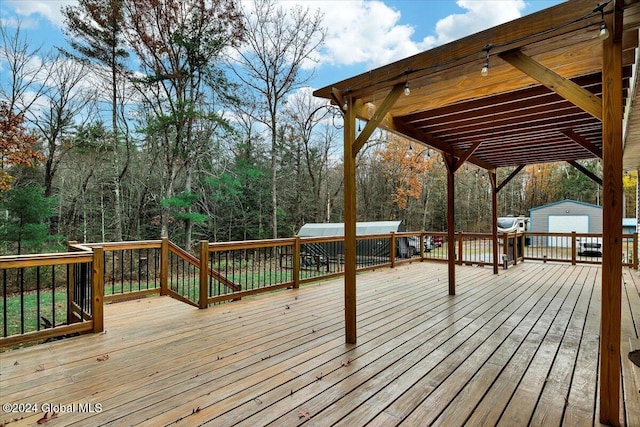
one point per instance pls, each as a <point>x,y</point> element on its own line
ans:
<point>147,267</point>
<point>122,254</point>
<point>53,295</point>
<point>87,289</point>
<point>181,276</point>
<point>38,298</point>
<point>22,300</point>
<point>68,290</point>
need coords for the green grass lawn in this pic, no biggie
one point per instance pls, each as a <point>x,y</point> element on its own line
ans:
<point>27,308</point>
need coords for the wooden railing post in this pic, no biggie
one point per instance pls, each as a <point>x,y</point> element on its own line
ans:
<point>164,266</point>
<point>97,289</point>
<point>574,246</point>
<point>392,248</point>
<point>422,248</point>
<point>460,243</point>
<point>203,297</point>
<point>635,250</point>
<point>296,262</point>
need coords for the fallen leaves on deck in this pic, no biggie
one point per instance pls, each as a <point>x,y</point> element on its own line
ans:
<point>303,413</point>
<point>47,418</point>
<point>103,358</point>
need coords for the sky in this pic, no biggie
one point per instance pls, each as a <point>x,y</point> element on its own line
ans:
<point>361,35</point>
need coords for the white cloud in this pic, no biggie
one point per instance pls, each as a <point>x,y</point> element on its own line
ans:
<point>478,16</point>
<point>49,9</point>
<point>367,32</point>
<point>370,32</point>
<point>363,32</point>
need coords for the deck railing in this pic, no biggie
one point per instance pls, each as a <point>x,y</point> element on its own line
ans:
<point>54,295</point>
<point>51,295</point>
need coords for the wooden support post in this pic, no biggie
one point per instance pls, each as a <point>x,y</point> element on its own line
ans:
<point>450,162</point>
<point>349,222</point>
<point>494,218</point>
<point>97,289</point>
<point>203,296</point>
<point>296,262</point>
<point>164,266</point>
<point>574,247</point>
<point>610,321</point>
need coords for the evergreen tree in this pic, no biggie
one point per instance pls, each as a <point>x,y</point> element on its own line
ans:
<point>25,223</point>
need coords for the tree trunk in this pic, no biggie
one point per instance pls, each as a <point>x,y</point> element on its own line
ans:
<point>274,180</point>
<point>188,224</point>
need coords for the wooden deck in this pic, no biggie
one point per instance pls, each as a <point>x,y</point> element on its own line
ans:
<point>514,349</point>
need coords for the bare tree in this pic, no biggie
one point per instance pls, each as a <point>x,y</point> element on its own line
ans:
<point>64,106</point>
<point>315,127</point>
<point>280,44</point>
<point>26,78</point>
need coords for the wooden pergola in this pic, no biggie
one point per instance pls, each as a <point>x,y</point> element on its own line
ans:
<point>555,89</point>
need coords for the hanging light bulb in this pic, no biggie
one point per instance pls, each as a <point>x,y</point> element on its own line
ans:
<point>407,90</point>
<point>345,107</point>
<point>604,31</point>
<point>485,70</point>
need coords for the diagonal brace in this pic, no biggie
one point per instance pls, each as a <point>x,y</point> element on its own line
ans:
<point>466,155</point>
<point>377,117</point>
<point>570,91</point>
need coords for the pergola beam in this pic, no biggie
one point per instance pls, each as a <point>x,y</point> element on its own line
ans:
<point>564,87</point>
<point>423,137</point>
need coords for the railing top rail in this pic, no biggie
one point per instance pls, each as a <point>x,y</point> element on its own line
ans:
<point>250,244</point>
<point>482,235</point>
<point>321,239</point>
<point>79,247</point>
<point>184,254</point>
<point>34,260</point>
<point>116,246</point>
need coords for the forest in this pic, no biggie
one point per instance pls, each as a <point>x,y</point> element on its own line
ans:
<point>195,120</point>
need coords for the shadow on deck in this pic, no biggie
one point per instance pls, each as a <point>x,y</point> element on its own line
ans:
<point>513,349</point>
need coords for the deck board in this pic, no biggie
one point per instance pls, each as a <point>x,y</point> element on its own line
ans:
<point>513,349</point>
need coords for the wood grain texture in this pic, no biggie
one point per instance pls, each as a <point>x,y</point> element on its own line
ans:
<point>518,346</point>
